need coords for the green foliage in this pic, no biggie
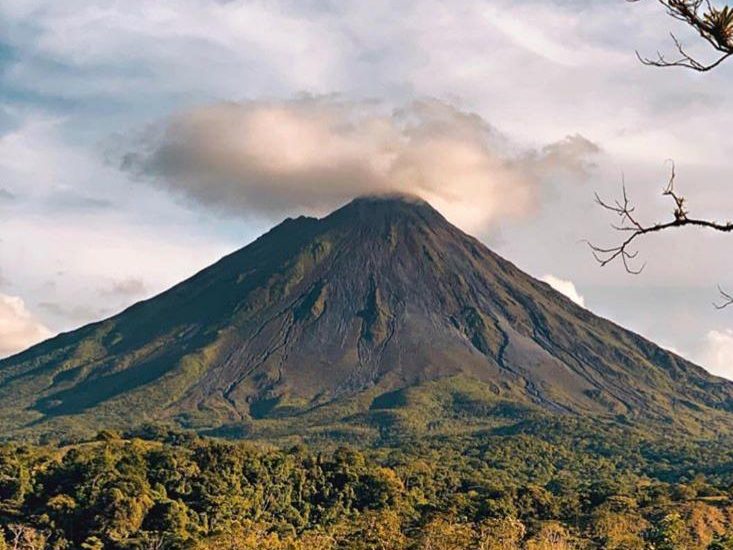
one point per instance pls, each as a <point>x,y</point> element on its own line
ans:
<point>721,542</point>
<point>500,534</point>
<point>671,533</point>
<point>720,24</point>
<point>535,486</point>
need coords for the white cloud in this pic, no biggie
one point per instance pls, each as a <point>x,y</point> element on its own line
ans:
<point>33,159</point>
<point>19,329</point>
<point>75,275</point>
<point>543,33</point>
<point>565,287</point>
<point>313,154</point>
<point>80,238</point>
<point>718,354</point>
<point>131,51</point>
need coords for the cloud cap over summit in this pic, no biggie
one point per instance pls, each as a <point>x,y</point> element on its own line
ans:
<point>313,153</point>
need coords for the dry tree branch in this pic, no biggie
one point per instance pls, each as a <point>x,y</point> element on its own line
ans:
<point>630,226</point>
<point>714,25</point>
<point>727,299</point>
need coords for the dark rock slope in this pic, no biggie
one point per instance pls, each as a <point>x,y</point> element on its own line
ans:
<point>382,294</point>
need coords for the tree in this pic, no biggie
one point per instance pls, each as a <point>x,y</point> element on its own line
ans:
<point>444,534</point>
<point>374,531</point>
<point>500,534</point>
<point>244,536</point>
<point>24,537</point>
<point>632,229</point>
<point>617,525</point>
<point>93,543</point>
<point>537,503</point>
<point>551,536</point>
<point>721,542</point>
<point>671,533</point>
<point>713,24</point>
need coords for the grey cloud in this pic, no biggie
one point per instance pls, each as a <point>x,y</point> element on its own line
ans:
<point>70,200</point>
<point>6,195</point>
<point>572,155</point>
<point>76,313</point>
<point>125,288</point>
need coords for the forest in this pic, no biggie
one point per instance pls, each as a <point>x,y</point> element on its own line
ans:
<point>559,485</point>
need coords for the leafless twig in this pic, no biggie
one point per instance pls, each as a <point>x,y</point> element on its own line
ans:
<point>714,25</point>
<point>630,226</point>
<point>726,299</point>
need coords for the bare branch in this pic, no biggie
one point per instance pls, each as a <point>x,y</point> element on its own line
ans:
<point>634,229</point>
<point>714,25</point>
<point>727,299</point>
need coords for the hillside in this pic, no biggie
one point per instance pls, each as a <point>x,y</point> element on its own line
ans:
<point>379,319</point>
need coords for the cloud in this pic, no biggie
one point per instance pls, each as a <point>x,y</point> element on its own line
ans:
<point>75,313</point>
<point>718,354</point>
<point>6,195</point>
<point>565,287</point>
<point>70,200</point>
<point>93,261</point>
<point>18,327</point>
<point>572,155</point>
<point>314,153</point>
<point>125,288</point>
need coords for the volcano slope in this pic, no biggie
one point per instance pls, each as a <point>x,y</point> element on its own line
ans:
<point>379,319</point>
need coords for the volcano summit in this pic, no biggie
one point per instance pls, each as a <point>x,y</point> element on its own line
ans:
<point>341,324</point>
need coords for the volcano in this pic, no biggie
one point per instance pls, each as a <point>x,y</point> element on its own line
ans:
<point>343,321</point>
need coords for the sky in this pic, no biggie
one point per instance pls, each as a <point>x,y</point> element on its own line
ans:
<point>141,141</point>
